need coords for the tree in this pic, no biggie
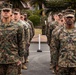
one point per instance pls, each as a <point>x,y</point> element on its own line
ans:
<point>57,5</point>
<point>72,3</point>
<point>17,3</point>
<point>39,3</point>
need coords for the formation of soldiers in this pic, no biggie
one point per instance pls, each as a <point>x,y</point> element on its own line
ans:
<point>16,33</point>
<point>61,35</point>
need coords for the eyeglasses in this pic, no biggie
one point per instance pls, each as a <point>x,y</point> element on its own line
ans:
<point>6,10</point>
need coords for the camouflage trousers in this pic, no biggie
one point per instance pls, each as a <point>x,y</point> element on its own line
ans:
<point>27,51</point>
<point>19,69</point>
<point>66,71</point>
<point>8,69</point>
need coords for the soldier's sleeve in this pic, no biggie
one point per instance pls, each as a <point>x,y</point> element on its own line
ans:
<point>54,46</point>
<point>50,29</point>
<point>26,33</point>
<point>33,31</point>
<point>20,41</point>
<point>46,28</point>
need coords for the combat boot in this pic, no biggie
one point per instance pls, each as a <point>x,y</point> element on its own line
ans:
<point>52,68</point>
<point>53,71</point>
<point>27,60</point>
<point>24,67</point>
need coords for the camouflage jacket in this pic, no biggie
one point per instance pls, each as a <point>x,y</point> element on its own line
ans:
<point>63,48</point>
<point>32,28</point>
<point>11,43</point>
<point>29,31</point>
<point>25,35</point>
<point>25,31</point>
<point>52,26</point>
<point>56,29</point>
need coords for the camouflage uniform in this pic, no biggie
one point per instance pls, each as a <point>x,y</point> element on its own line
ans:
<point>11,48</point>
<point>42,22</point>
<point>21,23</point>
<point>52,26</point>
<point>32,29</point>
<point>25,35</point>
<point>29,37</point>
<point>63,45</point>
<point>56,29</point>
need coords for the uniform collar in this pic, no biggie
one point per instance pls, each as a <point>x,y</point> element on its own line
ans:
<point>7,25</point>
<point>69,30</point>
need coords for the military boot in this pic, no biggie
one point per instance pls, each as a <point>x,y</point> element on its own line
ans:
<point>27,60</point>
<point>24,67</point>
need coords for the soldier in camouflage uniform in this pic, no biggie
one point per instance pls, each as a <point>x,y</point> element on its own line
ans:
<point>49,20</point>
<point>19,22</point>
<point>31,32</point>
<point>27,40</point>
<point>31,24</point>
<point>43,22</point>
<point>63,46</point>
<point>52,26</point>
<point>11,43</point>
<point>61,23</point>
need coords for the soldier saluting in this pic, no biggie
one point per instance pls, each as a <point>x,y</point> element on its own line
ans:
<point>11,43</point>
<point>63,46</point>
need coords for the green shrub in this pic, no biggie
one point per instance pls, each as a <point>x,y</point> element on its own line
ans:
<point>35,19</point>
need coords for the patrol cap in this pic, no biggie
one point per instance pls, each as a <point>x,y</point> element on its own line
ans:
<point>6,6</point>
<point>16,10</point>
<point>60,14</point>
<point>25,14</point>
<point>69,13</point>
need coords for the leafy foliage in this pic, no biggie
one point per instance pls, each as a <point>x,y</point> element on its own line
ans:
<point>17,3</point>
<point>39,2</point>
<point>56,5</point>
<point>35,19</point>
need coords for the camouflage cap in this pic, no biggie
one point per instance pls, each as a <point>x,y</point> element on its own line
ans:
<point>6,6</point>
<point>16,10</point>
<point>25,14</point>
<point>69,13</point>
<point>60,14</point>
